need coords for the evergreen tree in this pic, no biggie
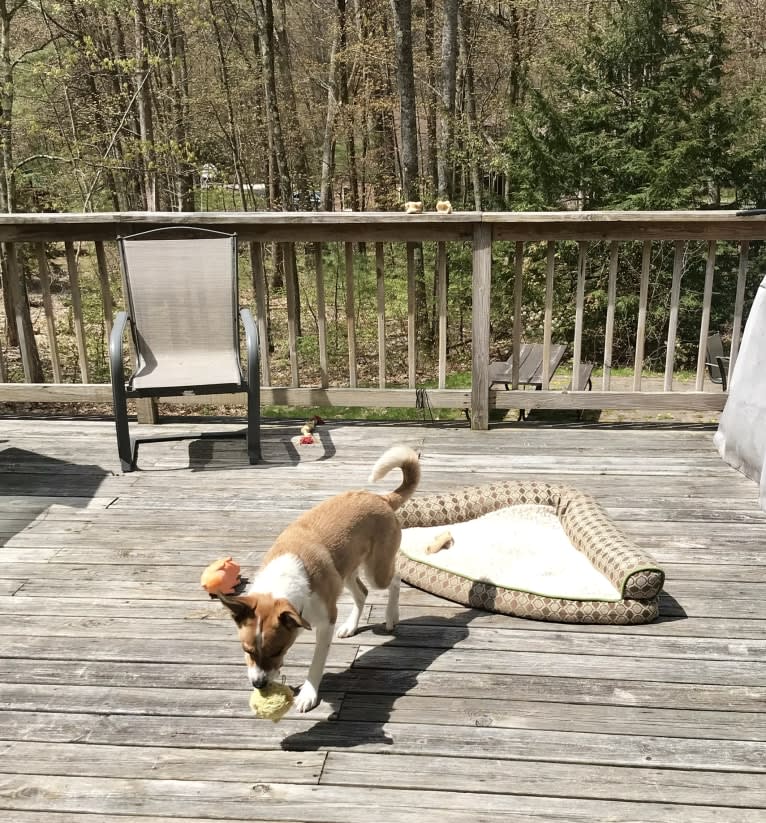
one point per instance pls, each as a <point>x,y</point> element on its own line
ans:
<point>636,118</point>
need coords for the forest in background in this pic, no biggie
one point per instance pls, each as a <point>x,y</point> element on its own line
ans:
<point>363,104</point>
<point>527,104</point>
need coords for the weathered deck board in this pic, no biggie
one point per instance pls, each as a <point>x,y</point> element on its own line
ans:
<point>552,779</point>
<point>123,696</point>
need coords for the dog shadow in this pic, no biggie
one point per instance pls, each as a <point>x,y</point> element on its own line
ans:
<point>377,679</point>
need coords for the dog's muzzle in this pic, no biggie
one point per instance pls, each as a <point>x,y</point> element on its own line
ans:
<point>258,677</point>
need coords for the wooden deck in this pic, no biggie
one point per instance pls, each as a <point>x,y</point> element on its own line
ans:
<point>124,697</point>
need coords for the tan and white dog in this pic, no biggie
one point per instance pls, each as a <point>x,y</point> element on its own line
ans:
<point>304,572</point>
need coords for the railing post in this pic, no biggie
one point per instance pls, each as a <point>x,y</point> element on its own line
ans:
<point>675,299</point>
<point>482,275</point>
<point>412,345</point>
<point>24,332</point>
<point>739,300</point>
<point>380,283</point>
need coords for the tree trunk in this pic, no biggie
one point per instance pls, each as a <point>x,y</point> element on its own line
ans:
<point>385,148</point>
<point>7,184</point>
<point>470,110</point>
<point>143,100</point>
<point>232,128</point>
<point>179,101</point>
<point>122,79</point>
<point>326,199</point>
<point>429,163</point>
<point>265,16</point>
<point>448,84</point>
<point>405,73</point>
<point>18,319</point>
<point>302,175</point>
<point>346,114</point>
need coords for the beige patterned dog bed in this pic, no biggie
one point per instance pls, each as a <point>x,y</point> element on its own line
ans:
<point>547,552</point>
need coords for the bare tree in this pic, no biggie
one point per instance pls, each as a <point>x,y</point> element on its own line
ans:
<point>302,180</point>
<point>328,141</point>
<point>447,109</point>
<point>178,89</point>
<point>15,298</point>
<point>405,74</point>
<point>231,128</point>
<point>469,93</point>
<point>264,14</point>
<point>430,99</point>
<point>143,100</point>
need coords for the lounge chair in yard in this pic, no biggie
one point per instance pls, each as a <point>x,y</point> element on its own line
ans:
<point>530,365</point>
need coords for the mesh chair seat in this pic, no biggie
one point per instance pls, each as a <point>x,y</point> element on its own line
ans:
<point>195,367</point>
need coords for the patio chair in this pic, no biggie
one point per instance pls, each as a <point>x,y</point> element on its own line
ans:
<point>530,365</point>
<point>717,365</point>
<point>180,288</point>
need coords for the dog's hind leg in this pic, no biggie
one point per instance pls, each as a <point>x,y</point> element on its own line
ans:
<point>392,607</point>
<point>359,593</point>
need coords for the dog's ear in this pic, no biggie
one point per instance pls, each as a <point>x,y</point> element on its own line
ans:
<point>289,617</point>
<point>241,608</point>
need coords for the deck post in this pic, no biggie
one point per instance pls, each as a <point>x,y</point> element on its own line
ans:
<point>482,274</point>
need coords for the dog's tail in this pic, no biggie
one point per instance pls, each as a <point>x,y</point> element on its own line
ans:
<point>398,457</point>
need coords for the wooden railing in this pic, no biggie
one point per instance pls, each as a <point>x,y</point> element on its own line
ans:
<point>30,232</point>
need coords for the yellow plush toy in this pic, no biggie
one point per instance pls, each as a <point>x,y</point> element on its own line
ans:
<point>272,702</point>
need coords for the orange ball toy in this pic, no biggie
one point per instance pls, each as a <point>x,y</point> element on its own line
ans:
<point>220,577</point>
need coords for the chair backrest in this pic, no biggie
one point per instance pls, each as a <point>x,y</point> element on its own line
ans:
<point>181,292</point>
<point>714,350</point>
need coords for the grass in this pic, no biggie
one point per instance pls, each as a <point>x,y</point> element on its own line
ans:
<point>391,415</point>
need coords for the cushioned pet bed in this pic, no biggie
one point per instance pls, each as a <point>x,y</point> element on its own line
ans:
<point>547,552</point>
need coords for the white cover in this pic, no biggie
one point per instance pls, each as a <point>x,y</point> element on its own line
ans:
<point>741,435</point>
<point>522,547</point>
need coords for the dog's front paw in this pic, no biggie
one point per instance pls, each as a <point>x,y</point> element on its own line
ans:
<point>348,629</point>
<point>307,698</point>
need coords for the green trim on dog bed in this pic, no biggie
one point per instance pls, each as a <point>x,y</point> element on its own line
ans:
<point>632,572</point>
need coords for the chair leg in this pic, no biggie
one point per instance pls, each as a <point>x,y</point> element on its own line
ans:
<point>119,400</point>
<point>253,387</point>
<point>254,422</point>
<point>124,444</point>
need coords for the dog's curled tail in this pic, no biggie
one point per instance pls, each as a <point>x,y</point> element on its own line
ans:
<point>398,457</point>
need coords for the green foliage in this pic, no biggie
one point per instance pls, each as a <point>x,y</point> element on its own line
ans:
<point>637,118</point>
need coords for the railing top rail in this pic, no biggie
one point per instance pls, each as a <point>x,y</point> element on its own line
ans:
<point>627,225</point>
<point>371,226</point>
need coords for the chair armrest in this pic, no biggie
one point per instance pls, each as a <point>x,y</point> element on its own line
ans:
<point>253,377</point>
<point>115,348</point>
<point>252,343</point>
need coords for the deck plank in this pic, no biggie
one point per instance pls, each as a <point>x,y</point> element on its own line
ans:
<point>123,695</point>
<point>192,798</point>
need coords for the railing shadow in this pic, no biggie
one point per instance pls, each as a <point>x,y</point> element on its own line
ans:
<point>280,447</point>
<point>364,678</point>
<point>38,478</point>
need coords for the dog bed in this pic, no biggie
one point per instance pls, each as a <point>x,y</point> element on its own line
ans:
<point>536,550</point>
